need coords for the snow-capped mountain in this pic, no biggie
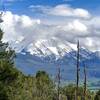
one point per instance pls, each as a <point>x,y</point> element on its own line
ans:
<point>56,52</point>
<point>48,56</point>
<point>44,48</point>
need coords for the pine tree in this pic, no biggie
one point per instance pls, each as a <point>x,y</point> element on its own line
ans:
<point>8,72</point>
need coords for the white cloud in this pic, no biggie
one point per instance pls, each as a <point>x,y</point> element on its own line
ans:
<point>62,10</point>
<point>77,26</point>
<point>18,29</point>
<point>22,30</point>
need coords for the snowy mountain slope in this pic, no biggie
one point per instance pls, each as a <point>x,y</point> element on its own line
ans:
<point>55,51</point>
<point>49,47</point>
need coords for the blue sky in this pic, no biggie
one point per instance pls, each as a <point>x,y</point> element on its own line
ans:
<point>21,6</point>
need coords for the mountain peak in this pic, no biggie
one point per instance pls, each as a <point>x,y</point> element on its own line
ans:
<point>49,47</point>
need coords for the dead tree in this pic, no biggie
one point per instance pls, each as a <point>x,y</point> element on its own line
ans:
<point>85,81</point>
<point>58,85</point>
<point>77,73</point>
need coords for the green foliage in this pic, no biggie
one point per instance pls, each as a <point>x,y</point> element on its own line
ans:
<point>42,79</point>
<point>97,96</point>
<point>44,87</point>
<point>69,91</point>
<point>8,73</point>
<point>3,94</point>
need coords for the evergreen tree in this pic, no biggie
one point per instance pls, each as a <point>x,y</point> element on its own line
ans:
<point>44,86</point>
<point>8,72</point>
